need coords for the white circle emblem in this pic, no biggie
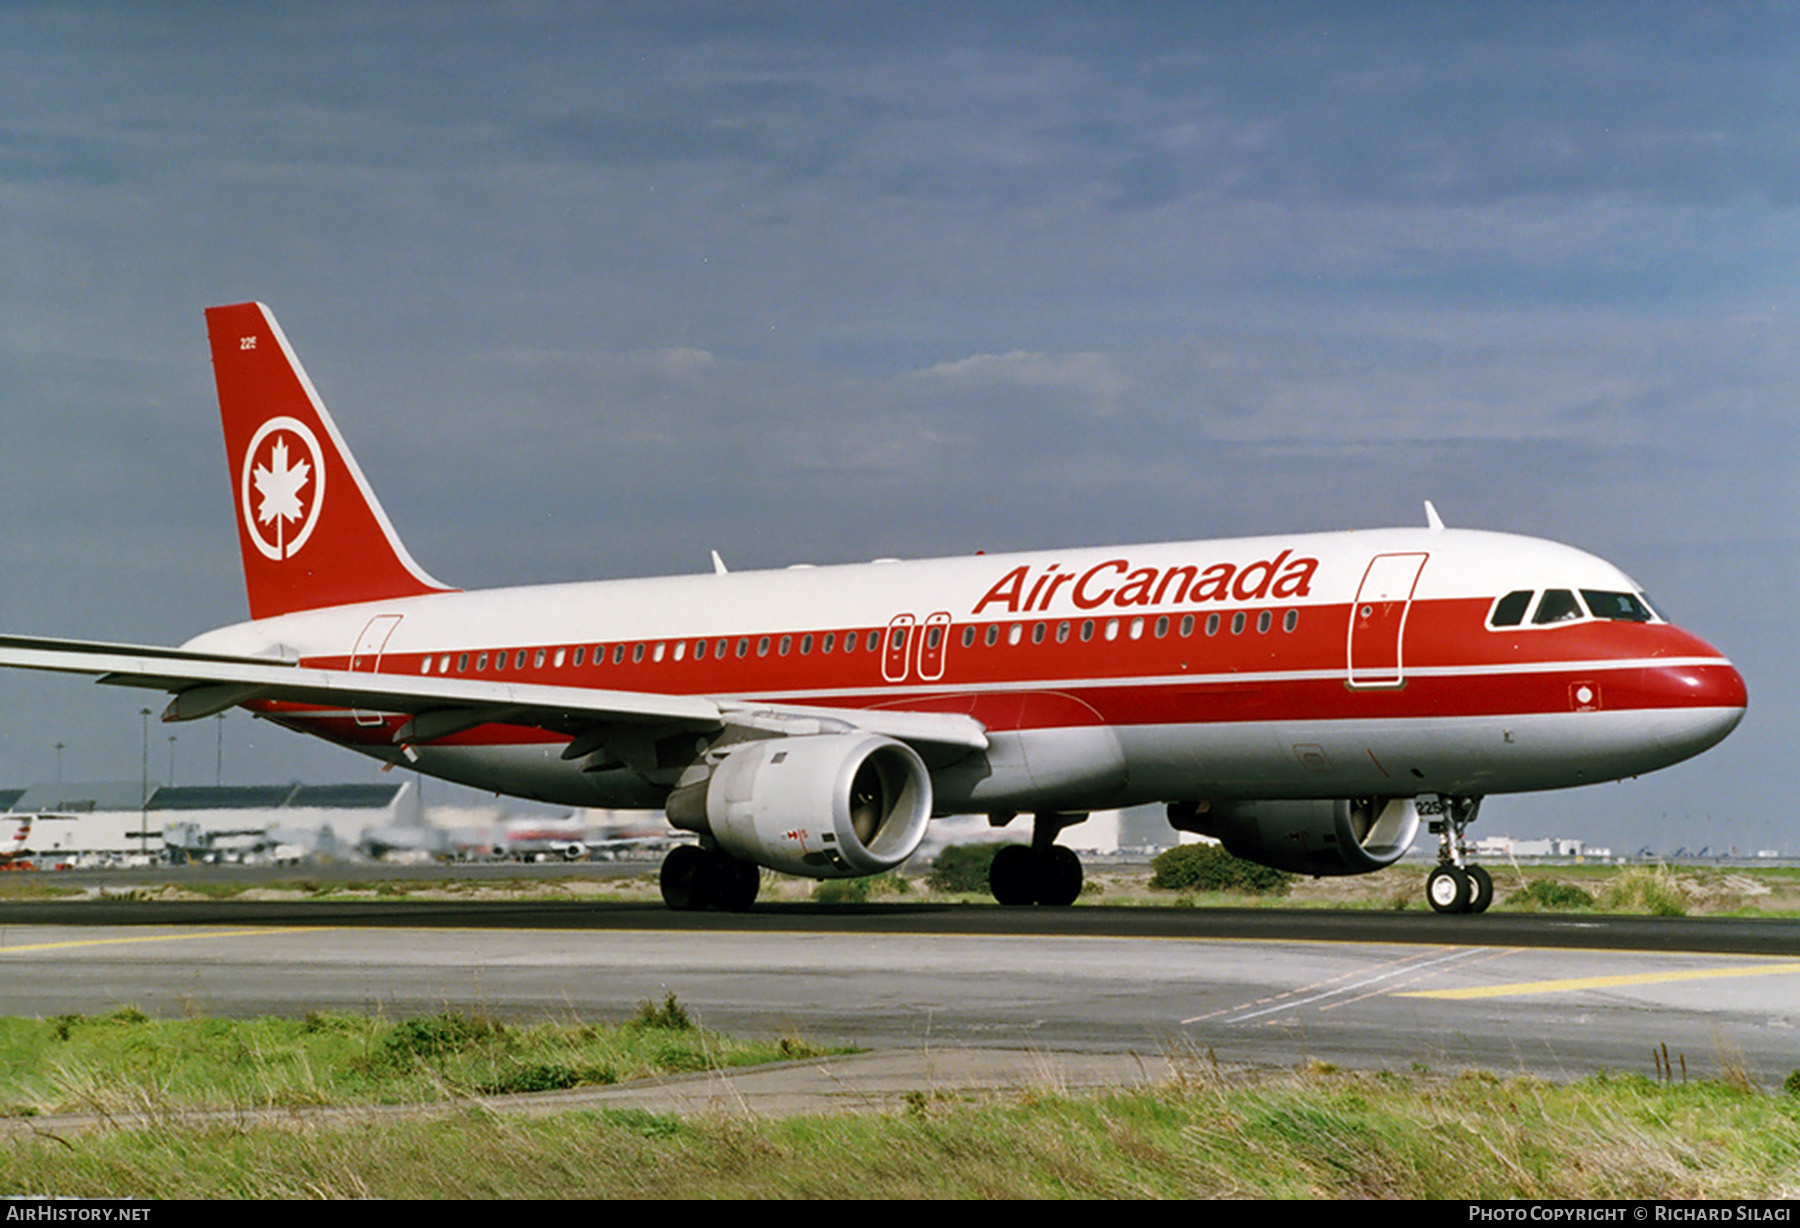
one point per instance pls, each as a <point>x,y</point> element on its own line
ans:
<point>281,487</point>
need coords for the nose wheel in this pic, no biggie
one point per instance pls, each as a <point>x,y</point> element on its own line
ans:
<point>1459,889</point>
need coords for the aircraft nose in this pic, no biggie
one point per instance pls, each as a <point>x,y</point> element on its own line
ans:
<point>1705,701</point>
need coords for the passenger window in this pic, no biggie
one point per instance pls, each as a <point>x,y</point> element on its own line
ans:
<point>1509,611</point>
<point>1558,605</point>
<point>1187,625</point>
<point>580,654</point>
<point>1290,620</point>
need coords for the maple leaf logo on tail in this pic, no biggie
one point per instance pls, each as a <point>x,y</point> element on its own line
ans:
<point>281,492</point>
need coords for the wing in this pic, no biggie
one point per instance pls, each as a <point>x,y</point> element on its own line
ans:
<point>207,683</point>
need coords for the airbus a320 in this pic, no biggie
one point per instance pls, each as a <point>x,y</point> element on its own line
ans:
<point>1307,699</point>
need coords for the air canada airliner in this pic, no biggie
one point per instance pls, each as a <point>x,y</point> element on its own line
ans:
<point>1306,699</point>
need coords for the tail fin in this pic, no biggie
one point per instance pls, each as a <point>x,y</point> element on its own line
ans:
<point>311,530</point>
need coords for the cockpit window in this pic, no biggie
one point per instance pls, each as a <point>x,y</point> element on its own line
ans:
<point>1509,611</point>
<point>1620,607</point>
<point>1558,606</point>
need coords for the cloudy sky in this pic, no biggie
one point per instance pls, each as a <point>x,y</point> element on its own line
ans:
<point>594,288</point>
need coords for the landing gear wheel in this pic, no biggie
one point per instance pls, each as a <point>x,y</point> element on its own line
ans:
<point>687,878</point>
<point>1058,877</point>
<point>735,883</point>
<point>1012,877</point>
<point>1481,885</point>
<point>1448,889</point>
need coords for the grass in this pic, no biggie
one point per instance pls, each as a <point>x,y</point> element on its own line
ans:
<point>1764,892</point>
<point>1314,1134</point>
<point>123,1061</point>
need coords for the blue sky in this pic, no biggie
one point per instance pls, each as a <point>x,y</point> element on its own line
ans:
<point>593,289</point>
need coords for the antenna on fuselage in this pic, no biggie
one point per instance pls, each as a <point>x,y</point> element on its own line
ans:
<point>1432,519</point>
<point>718,564</point>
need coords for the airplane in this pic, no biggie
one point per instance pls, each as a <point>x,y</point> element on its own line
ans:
<point>1309,700</point>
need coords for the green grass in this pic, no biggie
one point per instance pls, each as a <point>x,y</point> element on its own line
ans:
<point>1314,1135</point>
<point>127,1062</point>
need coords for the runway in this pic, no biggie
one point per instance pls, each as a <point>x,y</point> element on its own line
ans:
<point>1551,996</point>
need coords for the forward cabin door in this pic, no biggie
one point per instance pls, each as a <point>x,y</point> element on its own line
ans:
<point>367,657</point>
<point>1378,619</point>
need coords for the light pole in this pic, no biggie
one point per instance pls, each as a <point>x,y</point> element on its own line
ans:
<point>144,787</point>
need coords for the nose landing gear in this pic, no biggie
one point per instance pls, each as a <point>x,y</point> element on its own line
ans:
<point>1457,885</point>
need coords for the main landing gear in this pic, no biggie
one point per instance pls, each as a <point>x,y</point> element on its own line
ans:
<point>1457,885</point>
<point>695,878</point>
<point>1042,872</point>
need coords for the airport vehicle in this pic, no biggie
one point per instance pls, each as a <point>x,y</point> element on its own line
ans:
<point>1308,699</point>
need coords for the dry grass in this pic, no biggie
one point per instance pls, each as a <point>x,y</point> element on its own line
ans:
<point>1313,1134</point>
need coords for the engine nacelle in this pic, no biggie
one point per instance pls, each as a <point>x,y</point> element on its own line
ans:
<point>820,806</point>
<point>1322,838</point>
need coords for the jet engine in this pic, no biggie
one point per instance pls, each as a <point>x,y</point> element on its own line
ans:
<point>1322,838</point>
<point>835,805</point>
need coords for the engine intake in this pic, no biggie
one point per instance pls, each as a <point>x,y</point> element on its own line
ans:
<point>1323,838</point>
<point>819,806</point>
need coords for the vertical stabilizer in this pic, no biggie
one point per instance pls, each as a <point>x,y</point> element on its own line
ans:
<point>311,530</point>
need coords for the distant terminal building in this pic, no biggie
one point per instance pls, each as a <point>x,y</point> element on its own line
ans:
<point>113,821</point>
<point>1554,846</point>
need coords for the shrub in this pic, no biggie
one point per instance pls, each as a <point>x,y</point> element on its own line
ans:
<point>859,890</point>
<point>1642,889</point>
<point>1547,894</point>
<point>671,1015</point>
<point>963,867</point>
<point>429,1036</point>
<point>1208,867</point>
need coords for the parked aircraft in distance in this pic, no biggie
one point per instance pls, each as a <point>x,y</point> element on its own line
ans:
<point>1308,699</point>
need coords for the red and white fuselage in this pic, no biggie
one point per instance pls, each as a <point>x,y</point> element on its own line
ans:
<point>1320,665</point>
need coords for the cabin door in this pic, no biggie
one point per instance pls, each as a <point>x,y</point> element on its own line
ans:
<point>1378,620</point>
